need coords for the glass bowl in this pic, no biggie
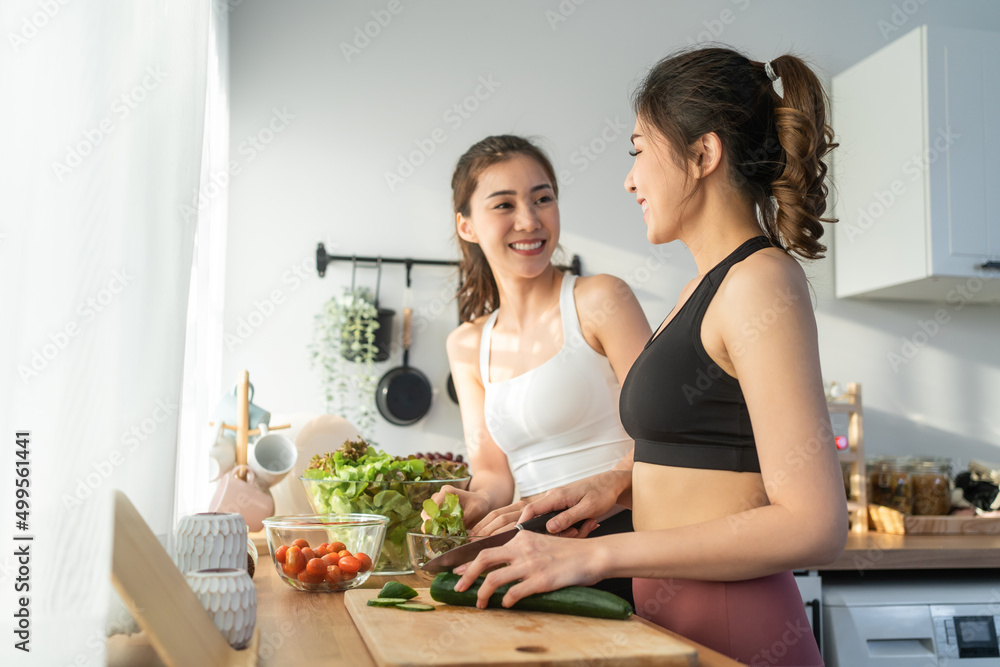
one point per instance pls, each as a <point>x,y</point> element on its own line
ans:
<point>422,547</point>
<point>359,533</point>
<point>400,502</point>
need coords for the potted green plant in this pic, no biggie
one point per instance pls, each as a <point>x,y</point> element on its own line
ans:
<point>345,348</point>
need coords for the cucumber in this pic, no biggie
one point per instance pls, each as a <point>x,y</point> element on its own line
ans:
<point>394,589</point>
<point>386,602</point>
<point>573,600</point>
<point>415,606</point>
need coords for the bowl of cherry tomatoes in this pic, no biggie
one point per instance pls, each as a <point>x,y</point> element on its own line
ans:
<point>325,552</point>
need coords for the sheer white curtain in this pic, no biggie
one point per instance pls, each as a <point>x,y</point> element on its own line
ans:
<point>203,349</point>
<point>103,125</point>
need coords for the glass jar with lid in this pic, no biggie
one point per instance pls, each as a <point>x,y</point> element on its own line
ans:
<point>931,479</point>
<point>889,482</point>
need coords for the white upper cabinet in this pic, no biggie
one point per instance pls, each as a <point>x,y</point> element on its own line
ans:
<point>917,174</point>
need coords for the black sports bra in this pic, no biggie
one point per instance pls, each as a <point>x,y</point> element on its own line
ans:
<point>681,408</point>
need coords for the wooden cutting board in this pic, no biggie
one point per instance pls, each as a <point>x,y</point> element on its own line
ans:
<point>457,636</point>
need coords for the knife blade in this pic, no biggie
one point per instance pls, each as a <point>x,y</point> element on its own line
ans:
<point>468,552</point>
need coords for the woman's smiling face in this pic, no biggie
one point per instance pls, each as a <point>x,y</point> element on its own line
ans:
<point>514,216</point>
<point>660,186</point>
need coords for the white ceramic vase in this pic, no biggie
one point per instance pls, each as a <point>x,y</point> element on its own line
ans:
<point>230,598</point>
<point>211,540</point>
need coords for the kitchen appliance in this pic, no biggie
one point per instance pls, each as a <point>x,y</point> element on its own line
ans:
<point>913,620</point>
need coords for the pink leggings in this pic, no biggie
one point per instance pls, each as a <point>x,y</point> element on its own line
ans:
<point>757,621</point>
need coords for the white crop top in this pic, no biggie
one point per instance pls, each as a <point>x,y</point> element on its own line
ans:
<point>558,422</point>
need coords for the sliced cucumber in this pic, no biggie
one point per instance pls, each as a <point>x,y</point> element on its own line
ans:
<point>386,602</point>
<point>394,589</point>
<point>415,606</point>
<point>574,600</point>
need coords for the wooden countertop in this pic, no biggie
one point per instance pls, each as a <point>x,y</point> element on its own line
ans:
<point>314,628</point>
<point>882,551</point>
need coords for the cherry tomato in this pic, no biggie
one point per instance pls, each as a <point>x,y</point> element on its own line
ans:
<point>309,554</point>
<point>326,545</point>
<point>300,543</point>
<point>294,560</point>
<point>279,555</point>
<point>334,575</point>
<point>366,562</point>
<point>316,566</point>
<point>330,559</point>
<point>344,552</point>
<point>307,578</point>
<point>336,547</point>
<point>348,577</point>
<point>349,564</point>
<point>321,550</point>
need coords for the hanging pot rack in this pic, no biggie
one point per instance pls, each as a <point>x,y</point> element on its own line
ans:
<point>323,259</point>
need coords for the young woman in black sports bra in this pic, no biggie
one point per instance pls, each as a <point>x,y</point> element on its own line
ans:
<point>736,480</point>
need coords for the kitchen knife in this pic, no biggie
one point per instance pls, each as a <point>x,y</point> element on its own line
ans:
<point>468,552</point>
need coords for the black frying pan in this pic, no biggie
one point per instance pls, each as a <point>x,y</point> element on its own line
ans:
<point>404,393</point>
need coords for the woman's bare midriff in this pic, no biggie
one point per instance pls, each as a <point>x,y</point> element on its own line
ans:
<point>668,497</point>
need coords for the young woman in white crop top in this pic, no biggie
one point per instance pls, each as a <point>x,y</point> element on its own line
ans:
<point>540,356</point>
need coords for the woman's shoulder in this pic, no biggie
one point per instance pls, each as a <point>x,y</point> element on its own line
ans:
<point>463,342</point>
<point>593,290</point>
<point>766,279</point>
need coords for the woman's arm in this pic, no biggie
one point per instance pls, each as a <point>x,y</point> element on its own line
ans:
<point>769,333</point>
<point>492,483</point>
<point>612,320</point>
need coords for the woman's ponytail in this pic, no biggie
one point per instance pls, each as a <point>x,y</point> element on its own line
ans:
<point>800,191</point>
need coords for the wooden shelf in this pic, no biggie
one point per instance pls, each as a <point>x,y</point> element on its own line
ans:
<point>854,455</point>
<point>842,408</point>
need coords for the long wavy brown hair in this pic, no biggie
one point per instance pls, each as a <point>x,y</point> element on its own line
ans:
<point>775,144</point>
<point>477,288</point>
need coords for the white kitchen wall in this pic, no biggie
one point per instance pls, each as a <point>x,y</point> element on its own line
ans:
<point>322,112</point>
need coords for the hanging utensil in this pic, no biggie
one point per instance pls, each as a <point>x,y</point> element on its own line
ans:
<point>404,394</point>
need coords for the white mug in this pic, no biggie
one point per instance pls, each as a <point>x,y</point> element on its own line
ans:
<point>271,458</point>
<point>222,454</point>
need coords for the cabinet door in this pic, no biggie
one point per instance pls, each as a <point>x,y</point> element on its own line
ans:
<point>878,172</point>
<point>963,137</point>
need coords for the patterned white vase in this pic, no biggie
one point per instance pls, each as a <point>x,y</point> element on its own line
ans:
<point>230,598</point>
<point>211,540</point>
